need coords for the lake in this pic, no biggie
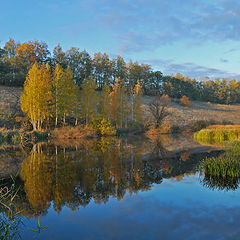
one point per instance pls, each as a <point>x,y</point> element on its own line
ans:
<point>121,188</point>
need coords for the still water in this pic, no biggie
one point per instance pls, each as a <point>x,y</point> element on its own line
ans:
<point>130,188</point>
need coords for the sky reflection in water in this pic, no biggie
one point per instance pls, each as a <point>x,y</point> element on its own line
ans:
<point>176,207</point>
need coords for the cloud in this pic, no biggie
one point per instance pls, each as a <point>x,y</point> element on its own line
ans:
<point>190,69</point>
<point>232,50</point>
<point>224,60</point>
<point>199,72</point>
<point>146,25</point>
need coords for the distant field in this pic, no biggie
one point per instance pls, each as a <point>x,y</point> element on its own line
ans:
<point>179,115</point>
<point>182,116</point>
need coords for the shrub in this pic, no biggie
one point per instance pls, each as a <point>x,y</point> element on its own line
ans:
<point>165,129</point>
<point>200,124</point>
<point>185,101</point>
<point>81,131</point>
<point>9,136</point>
<point>103,127</point>
<point>39,136</point>
<point>176,129</point>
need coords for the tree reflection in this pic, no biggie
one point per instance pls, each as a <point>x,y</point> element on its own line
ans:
<point>77,174</point>
<point>72,178</point>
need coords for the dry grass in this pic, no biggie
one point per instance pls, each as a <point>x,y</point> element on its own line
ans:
<point>78,132</point>
<point>179,115</point>
<point>9,105</point>
<point>182,116</point>
<point>155,132</point>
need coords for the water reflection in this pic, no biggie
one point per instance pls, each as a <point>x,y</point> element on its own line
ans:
<point>219,183</point>
<point>75,174</point>
<point>73,178</point>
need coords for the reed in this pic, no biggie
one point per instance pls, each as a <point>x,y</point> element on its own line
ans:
<point>10,220</point>
<point>226,165</point>
<point>218,134</point>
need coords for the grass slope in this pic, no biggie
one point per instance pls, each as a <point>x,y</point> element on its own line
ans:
<point>179,115</point>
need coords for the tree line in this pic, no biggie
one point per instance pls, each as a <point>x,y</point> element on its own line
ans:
<point>16,60</point>
<point>52,95</point>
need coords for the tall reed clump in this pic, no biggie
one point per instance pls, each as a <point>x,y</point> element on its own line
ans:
<point>226,165</point>
<point>218,134</point>
<point>10,220</point>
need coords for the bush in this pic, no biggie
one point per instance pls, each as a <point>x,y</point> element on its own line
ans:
<point>9,136</point>
<point>78,132</point>
<point>200,124</point>
<point>103,127</point>
<point>39,136</point>
<point>165,129</point>
<point>185,101</point>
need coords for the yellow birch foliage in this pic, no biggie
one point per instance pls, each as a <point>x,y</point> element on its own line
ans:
<point>30,98</point>
<point>45,94</point>
<point>89,99</point>
<point>67,94</point>
<point>137,102</point>
<point>119,104</point>
<point>104,103</point>
<point>76,104</point>
<point>57,92</point>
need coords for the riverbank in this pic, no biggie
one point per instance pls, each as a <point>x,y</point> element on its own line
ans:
<point>11,116</point>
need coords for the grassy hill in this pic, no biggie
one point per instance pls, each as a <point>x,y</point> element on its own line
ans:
<point>182,116</point>
<point>179,115</point>
<point>9,105</point>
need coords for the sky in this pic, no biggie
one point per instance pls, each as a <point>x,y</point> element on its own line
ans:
<point>196,38</point>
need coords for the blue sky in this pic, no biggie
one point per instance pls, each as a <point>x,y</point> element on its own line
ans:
<point>194,37</point>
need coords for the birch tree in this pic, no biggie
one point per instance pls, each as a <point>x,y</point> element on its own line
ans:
<point>119,103</point>
<point>89,99</point>
<point>57,92</point>
<point>29,98</point>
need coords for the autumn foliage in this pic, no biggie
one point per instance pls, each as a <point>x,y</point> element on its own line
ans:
<point>51,95</point>
<point>185,101</point>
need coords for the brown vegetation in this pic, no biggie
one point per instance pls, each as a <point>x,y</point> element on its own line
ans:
<point>78,132</point>
<point>198,111</point>
<point>158,109</point>
<point>9,106</point>
<point>185,101</point>
<point>10,114</point>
